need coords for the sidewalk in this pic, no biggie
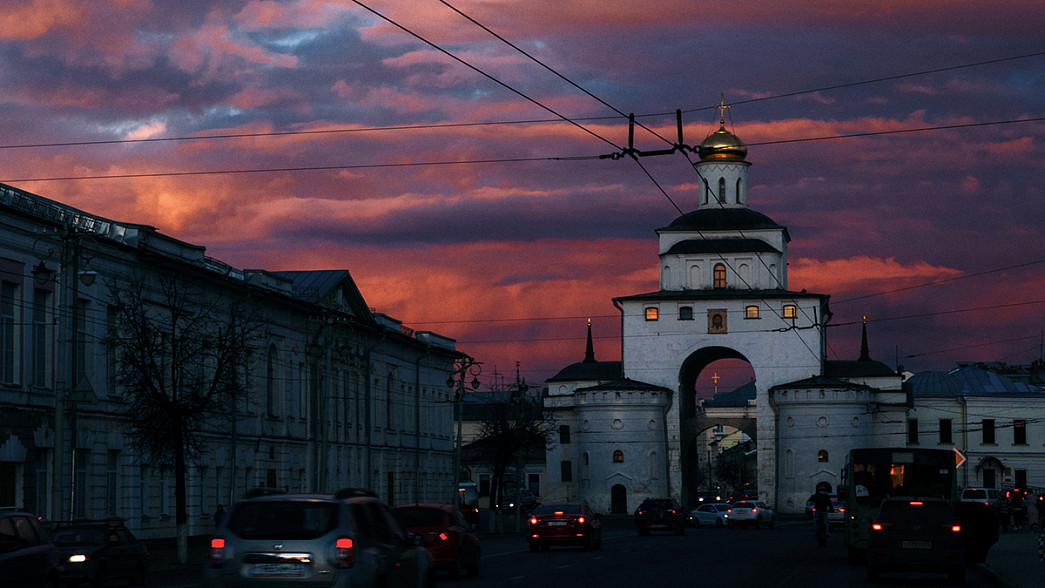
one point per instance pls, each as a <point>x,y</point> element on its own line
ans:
<point>1014,560</point>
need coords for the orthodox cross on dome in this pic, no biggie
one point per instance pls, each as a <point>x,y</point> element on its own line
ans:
<point>722,108</point>
<point>715,378</point>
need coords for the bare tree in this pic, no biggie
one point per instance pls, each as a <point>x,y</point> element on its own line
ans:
<point>181,359</point>
<point>507,431</point>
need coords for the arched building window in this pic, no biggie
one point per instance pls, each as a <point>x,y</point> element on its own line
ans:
<point>720,275</point>
<point>618,456</point>
<point>822,456</point>
<point>722,190</point>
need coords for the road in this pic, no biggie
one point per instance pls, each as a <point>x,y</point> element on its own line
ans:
<point>785,557</point>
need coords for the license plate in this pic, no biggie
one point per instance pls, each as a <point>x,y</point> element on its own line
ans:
<point>277,570</point>
<point>557,524</point>
<point>917,544</point>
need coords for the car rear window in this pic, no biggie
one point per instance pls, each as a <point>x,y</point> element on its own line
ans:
<point>659,504</point>
<point>975,494</point>
<point>420,517</point>
<point>548,509</point>
<point>904,511</point>
<point>283,519</point>
<point>79,536</point>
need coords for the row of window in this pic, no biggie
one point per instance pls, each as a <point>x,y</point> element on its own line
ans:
<point>789,311</point>
<point>988,430</point>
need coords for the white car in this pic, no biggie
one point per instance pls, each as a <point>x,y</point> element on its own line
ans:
<point>715,514</point>
<point>751,513</point>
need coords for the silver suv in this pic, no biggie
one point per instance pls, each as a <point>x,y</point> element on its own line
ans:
<point>349,540</point>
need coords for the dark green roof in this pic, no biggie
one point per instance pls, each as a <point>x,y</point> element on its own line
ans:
<point>721,246</point>
<point>589,371</point>
<point>721,219</point>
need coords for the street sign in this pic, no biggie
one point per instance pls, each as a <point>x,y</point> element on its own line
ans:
<point>959,458</point>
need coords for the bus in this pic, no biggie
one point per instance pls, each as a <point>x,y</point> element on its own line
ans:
<point>872,474</point>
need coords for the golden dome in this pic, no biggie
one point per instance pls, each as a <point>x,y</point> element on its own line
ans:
<point>722,145</point>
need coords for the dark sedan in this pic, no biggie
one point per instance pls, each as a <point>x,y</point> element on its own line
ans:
<point>659,514</point>
<point>98,551</point>
<point>564,523</point>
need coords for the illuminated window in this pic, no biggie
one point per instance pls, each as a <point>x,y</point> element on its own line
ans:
<point>720,275</point>
<point>822,456</point>
<point>618,456</point>
<point>685,313</point>
<point>751,312</point>
<point>651,313</point>
<point>790,311</point>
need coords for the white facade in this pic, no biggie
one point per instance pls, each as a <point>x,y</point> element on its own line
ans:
<point>336,396</point>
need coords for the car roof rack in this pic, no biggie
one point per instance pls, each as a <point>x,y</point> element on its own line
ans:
<point>256,492</point>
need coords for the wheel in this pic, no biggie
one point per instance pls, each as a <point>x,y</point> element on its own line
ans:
<point>758,523</point>
<point>101,576</point>
<point>696,523</point>
<point>473,569</point>
<point>873,575</point>
<point>138,579</point>
<point>957,575</point>
<point>457,568</point>
<point>719,523</point>
<point>772,523</point>
<point>587,544</point>
<point>533,546</point>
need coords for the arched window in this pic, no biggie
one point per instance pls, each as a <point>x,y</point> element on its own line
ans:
<point>740,191</point>
<point>618,456</point>
<point>722,190</point>
<point>720,275</point>
<point>751,312</point>
<point>707,192</point>
<point>822,456</point>
<point>790,311</point>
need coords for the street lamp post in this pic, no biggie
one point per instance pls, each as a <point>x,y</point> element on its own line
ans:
<point>71,251</point>
<point>462,368</point>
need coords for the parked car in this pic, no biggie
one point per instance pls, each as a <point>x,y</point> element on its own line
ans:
<point>751,513</point>
<point>448,536</point>
<point>715,514</point>
<point>835,518</point>
<point>988,496</point>
<point>27,556</point>
<point>350,539</point>
<point>659,514</point>
<point>564,523</point>
<point>526,499</point>
<point>99,551</point>
<point>916,535</point>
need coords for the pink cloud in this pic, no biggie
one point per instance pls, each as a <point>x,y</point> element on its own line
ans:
<point>862,273</point>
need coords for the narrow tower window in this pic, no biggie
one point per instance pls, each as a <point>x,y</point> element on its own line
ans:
<point>720,276</point>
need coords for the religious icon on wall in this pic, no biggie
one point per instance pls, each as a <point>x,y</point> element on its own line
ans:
<point>717,321</point>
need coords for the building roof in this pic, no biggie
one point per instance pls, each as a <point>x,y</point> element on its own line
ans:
<point>624,384</point>
<point>860,368</point>
<point>734,398</point>
<point>969,381</point>
<point>722,293</point>
<point>690,246</point>
<point>591,371</point>
<point>722,219</point>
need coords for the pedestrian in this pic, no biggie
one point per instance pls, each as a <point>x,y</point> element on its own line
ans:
<point>1032,511</point>
<point>1004,512</point>
<point>219,515</point>
<point>1017,510</point>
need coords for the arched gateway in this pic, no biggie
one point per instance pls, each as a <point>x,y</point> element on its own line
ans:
<point>722,295</point>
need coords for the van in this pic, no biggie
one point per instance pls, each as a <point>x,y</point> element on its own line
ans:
<point>988,496</point>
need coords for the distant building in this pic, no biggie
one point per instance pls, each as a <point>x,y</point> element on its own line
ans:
<point>337,395</point>
<point>639,431</point>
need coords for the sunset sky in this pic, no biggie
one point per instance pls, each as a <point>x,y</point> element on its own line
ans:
<point>454,168</point>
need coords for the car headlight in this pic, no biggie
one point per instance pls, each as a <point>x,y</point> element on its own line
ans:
<point>77,558</point>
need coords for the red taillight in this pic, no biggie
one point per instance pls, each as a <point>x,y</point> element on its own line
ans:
<point>754,510</point>
<point>558,513</point>
<point>580,520</point>
<point>345,554</point>
<point>880,526</point>
<point>217,550</point>
<point>443,536</point>
<point>917,503</point>
<point>533,520</point>
<point>955,528</point>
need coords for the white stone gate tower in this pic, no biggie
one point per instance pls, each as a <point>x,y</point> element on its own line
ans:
<point>723,294</point>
